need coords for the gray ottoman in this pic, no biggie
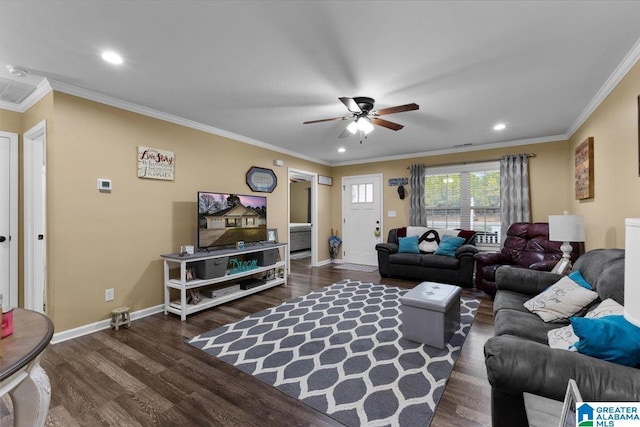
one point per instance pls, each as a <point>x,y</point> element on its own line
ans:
<point>430,313</point>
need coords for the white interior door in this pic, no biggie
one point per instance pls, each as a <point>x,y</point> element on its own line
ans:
<point>9,219</point>
<point>362,218</point>
<point>35,176</point>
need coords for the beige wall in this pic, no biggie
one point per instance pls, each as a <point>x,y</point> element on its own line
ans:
<point>549,180</point>
<point>299,201</point>
<point>114,240</point>
<point>10,121</point>
<point>614,127</point>
<point>98,241</point>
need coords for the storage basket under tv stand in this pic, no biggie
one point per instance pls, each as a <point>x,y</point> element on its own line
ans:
<point>183,309</point>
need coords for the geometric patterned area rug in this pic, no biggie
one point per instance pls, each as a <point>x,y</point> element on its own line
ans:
<point>340,350</point>
<point>356,267</point>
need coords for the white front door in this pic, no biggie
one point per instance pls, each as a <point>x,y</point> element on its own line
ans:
<point>362,218</point>
<point>9,219</point>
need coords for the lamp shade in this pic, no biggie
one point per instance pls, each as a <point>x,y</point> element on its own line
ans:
<point>566,228</point>
<point>632,271</point>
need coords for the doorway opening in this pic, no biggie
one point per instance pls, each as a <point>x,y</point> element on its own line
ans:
<point>303,216</point>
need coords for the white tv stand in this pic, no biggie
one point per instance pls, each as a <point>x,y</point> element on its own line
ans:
<point>183,309</point>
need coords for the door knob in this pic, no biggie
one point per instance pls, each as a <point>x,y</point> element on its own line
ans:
<point>2,239</point>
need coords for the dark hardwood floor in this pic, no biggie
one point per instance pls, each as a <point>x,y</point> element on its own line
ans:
<point>148,376</point>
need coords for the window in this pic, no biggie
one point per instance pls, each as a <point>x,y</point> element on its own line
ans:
<point>465,196</point>
<point>362,193</point>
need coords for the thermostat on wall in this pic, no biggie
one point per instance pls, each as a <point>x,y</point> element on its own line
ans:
<point>104,184</point>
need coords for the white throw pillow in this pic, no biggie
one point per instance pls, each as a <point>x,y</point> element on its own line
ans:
<point>428,247</point>
<point>560,300</point>
<point>564,338</point>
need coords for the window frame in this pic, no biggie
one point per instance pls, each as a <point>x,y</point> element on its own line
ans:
<point>474,167</point>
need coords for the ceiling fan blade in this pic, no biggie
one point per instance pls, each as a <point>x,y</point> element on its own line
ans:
<point>351,104</point>
<point>345,134</point>
<point>386,123</point>
<point>326,120</point>
<point>397,109</point>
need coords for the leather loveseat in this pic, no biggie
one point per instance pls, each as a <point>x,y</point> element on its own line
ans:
<point>519,359</point>
<point>527,245</point>
<point>457,269</point>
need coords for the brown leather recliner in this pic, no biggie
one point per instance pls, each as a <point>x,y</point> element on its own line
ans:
<point>527,246</point>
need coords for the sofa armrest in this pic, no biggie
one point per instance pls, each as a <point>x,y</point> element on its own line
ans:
<point>546,265</point>
<point>525,281</point>
<point>466,250</point>
<point>390,248</point>
<point>515,365</point>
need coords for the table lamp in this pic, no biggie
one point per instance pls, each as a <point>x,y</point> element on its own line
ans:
<point>566,229</point>
<point>632,271</point>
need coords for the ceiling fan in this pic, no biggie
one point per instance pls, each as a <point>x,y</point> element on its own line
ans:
<point>364,117</point>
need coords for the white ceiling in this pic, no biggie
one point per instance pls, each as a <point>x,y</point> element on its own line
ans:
<point>257,69</point>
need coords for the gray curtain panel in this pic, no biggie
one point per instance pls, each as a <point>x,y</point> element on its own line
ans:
<point>514,191</point>
<point>417,212</point>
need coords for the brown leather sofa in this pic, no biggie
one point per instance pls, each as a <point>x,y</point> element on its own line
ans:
<point>527,246</point>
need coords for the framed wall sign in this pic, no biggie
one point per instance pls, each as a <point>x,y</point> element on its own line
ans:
<point>584,170</point>
<point>154,163</point>
<point>261,179</point>
<point>325,180</point>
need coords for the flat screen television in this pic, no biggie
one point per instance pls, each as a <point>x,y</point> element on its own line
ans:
<point>225,219</point>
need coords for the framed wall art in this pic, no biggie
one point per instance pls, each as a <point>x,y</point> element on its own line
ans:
<point>584,170</point>
<point>261,179</point>
<point>325,180</point>
<point>154,163</point>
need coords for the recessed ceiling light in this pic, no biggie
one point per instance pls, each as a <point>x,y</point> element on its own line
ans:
<point>112,57</point>
<point>499,126</point>
<point>341,150</point>
<point>17,71</point>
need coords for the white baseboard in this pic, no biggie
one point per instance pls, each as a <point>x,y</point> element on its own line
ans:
<point>328,261</point>
<point>103,324</point>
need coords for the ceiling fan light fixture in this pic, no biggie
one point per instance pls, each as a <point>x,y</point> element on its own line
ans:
<point>353,128</point>
<point>365,125</point>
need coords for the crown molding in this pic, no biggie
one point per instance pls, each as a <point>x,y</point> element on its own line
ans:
<point>43,89</point>
<point>618,74</point>
<point>150,112</point>
<point>465,149</point>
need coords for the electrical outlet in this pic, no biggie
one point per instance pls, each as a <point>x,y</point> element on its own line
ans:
<point>108,294</point>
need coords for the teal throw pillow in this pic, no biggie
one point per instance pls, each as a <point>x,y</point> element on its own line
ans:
<point>577,277</point>
<point>448,245</point>
<point>610,338</point>
<point>408,245</point>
